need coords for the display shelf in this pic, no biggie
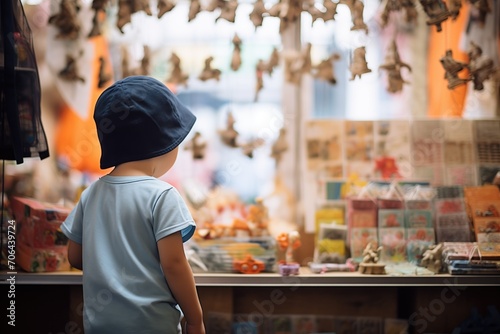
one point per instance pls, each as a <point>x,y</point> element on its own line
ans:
<point>306,278</point>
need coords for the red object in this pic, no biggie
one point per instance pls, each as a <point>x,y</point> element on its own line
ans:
<point>249,265</point>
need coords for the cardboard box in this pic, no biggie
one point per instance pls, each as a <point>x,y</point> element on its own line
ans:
<point>40,244</point>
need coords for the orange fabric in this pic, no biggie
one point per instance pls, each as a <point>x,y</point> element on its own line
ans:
<point>444,102</point>
<point>76,138</point>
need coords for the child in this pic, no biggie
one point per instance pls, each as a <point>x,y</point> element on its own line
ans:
<point>128,228</point>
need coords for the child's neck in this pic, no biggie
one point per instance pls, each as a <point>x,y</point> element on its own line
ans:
<point>133,168</point>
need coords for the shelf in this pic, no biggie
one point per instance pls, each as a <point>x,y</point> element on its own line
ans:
<point>305,279</point>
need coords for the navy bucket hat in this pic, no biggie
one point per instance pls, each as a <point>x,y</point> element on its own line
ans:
<point>138,118</point>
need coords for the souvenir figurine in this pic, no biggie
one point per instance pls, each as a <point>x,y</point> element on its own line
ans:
<point>103,76</point>
<point>228,11</point>
<point>229,134</point>
<point>325,70</point>
<point>236,57</point>
<point>66,20</point>
<point>371,256</point>
<point>393,66</point>
<point>432,258</point>
<point>359,66</point>
<point>177,76</point>
<point>356,7</point>
<point>70,71</point>
<point>257,13</point>
<point>452,68</point>
<point>288,242</point>
<point>437,12</point>
<point>194,9</point>
<point>164,6</point>
<point>481,68</point>
<point>197,146</point>
<point>209,72</point>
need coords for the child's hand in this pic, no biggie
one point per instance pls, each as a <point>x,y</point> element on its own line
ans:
<point>195,329</point>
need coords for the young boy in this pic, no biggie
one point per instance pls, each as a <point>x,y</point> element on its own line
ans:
<point>128,228</point>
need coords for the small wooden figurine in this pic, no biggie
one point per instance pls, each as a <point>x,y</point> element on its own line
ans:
<point>481,68</point>
<point>164,6</point>
<point>257,13</point>
<point>437,12</point>
<point>325,70</point>
<point>432,258</point>
<point>103,77</point>
<point>371,256</point>
<point>70,71</point>
<point>452,68</point>
<point>66,20</point>
<point>236,57</point>
<point>356,7</point>
<point>229,135</point>
<point>197,146</point>
<point>177,76</point>
<point>359,66</point>
<point>209,72</point>
<point>393,65</point>
<point>194,9</point>
<point>288,242</point>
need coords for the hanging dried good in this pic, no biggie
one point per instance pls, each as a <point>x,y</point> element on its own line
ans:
<point>228,11</point>
<point>437,12</point>
<point>104,76</point>
<point>209,72</point>
<point>257,14</point>
<point>236,57</point>
<point>66,20</point>
<point>177,76</point>
<point>70,71</point>
<point>481,67</point>
<point>359,66</point>
<point>452,68</point>
<point>164,6</point>
<point>325,69</point>
<point>356,8</point>
<point>194,9</point>
<point>393,65</point>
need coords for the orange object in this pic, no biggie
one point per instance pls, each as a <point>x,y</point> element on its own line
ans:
<point>444,102</point>
<point>76,138</point>
<point>249,265</point>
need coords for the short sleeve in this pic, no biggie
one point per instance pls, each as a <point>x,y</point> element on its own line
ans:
<point>72,227</point>
<point>171,215</point>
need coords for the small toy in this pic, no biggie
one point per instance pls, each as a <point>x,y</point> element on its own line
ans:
<point>393,66</point>
<point>288,242</point>
<point>371,256</point>
<point>103,76</point>
<point>437,12</point>
<point>432,258</point>
<point>356,7</point>
<point>481,68</point>
<point>325,70</point>
<point>359,66</point>
<point>236,57</point>
<point>452,68</point>
<point>208,72</point>
<point>164,6</point>
<point>194,9</point>
<point>197,146</point>
<point>249,265</point>
<point>177,76</point>
<point>70,71</point>
<point>66,20</point>
<point>257,14</point>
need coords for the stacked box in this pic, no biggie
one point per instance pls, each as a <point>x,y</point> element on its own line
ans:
<point>391,229</point>
<point>362,222</point>
<point>451,220</point>
<point>40,244</point>
<point>419,228</point>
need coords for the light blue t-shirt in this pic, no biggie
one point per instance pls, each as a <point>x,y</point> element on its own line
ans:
<point>118,221</point>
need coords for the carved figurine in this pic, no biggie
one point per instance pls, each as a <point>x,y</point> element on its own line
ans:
<point>194,9</point>
<point>197,146</point>
<point>359,66</point>
<point>229,134</point>
<point>104,76</point>
<point>371,256</point>
<point>432,258</point>
<point>236,57</point>
<point>393,65</point>
<point>257,14</point>
<point>356,7</point>
<point>288,242</point>
<point>177,76</point>
<point>70,71</point>
<point>228,10</point>
<point>66,20</point>
<point>325,70</point>
<point>296,64</point>
<point>164,6</point>
<point>481,68</point>
<point>437,12</point>
<point>209,72</point>
<point>452,68</point>
<point>280,146</point>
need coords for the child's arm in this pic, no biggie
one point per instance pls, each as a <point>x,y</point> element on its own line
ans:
<point>180,279</point>
<point>75,254</point>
